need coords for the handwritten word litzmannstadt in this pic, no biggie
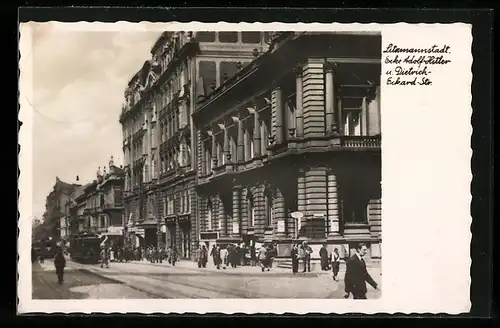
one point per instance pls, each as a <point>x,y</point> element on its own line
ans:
<point>391,48</point>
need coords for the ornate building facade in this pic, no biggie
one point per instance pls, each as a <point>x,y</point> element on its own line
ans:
<point>289,148</point>
<point>98,206</point>
<point>160,139</point>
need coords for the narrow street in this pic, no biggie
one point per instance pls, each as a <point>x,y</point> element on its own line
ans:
<point>185,280</point>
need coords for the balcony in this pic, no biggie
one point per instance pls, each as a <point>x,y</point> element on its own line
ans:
<point>360,141</point>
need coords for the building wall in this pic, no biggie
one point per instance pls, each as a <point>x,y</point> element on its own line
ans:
<point>317,185</point>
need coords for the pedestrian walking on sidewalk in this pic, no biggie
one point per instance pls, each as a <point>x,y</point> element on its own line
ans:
<point>224,257</point>
<point>263,258</point>
<point>356,275</point>
<point>60,263</point>
<point>335,263</point>
<point>104,257</point>
<point>307,251</point>
<point>295,258</point>
<point>323,254</point>
<point>173,255</point>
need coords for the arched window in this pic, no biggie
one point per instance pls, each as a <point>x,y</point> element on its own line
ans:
<point>269,208</point>
<point>209,215</point>
<point>251,209</point>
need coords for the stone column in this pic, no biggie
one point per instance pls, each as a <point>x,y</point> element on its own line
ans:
<point>277,114</point>
<point>316,200</point>
<point>256,134</point>
<point>301,199</point>
<point>235,228</point>
<point>264,133</point>
<point>298,102</point>
<point>241,141</point>
<point>313,82</point>
<point>374,114</point>
<point>221,218</point>
<point>214,151</point>
<point>364,117</point>
<point>227,146</point>
<point>331,126</point>
<point>339,113</point>
<point>333,205</point>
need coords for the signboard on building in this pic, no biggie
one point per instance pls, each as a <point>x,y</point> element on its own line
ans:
<point>236,227</point>
<point>281,225</point>
<point>116,230</point>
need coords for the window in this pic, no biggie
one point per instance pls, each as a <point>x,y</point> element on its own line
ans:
<point>251,208</point>
<point>170,205</point>
<point>269,208</point>
<point>208,73</point>
<point>209,215</point>
<point>250,37</point>
<point>351,121</point>
<point>354,210</point>
<point>205,36</point>
<point>227,70</point>
<point>228,37</point>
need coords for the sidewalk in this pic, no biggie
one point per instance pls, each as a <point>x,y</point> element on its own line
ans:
<point>248,270</point>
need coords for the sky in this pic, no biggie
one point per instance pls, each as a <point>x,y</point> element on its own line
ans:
<point>79,78</point>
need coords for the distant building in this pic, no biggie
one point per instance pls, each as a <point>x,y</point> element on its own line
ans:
<point>55,206</point>
<point>98,206</point>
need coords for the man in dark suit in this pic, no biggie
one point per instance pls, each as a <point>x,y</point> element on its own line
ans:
<point>356,275</point>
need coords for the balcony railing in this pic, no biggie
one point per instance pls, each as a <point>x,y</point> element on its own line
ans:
<point>360,141</point>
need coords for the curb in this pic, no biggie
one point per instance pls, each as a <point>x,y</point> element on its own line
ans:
<point>90,272</point>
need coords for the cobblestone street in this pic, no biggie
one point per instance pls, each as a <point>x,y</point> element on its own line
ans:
<point>186,280</point>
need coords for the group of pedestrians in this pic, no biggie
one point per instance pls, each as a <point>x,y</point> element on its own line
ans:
<point>223,256</point>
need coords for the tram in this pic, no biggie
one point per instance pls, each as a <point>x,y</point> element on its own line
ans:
<point>85,248</point>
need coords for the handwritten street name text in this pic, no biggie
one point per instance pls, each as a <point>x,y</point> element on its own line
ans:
<point>412,66</point>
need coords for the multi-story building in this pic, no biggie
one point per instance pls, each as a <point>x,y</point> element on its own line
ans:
<point>160,140</point>
<point>289,147</point>
<point>56,205</point>
<point>98,206</point>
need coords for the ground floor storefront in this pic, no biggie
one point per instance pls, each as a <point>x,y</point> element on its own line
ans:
<point>316,199</point>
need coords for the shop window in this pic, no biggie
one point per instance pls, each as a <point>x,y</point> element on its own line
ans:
<point>250,37</point>
<point>227,70</point>
<point>205,36</point>
<point>208,72</point>
<point>228,37</point>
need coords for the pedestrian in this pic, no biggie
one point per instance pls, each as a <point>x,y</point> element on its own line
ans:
<point>60,263</point>
<point>307,251</point>
<point>224,257</point>
<point>356,275</point>
<point>263,258</point>
<point>104,257</point>
<point>335,263</point>
<point>295,258</point>
<point>323,254</point>
<point>204,255</point>
<point>174,255</point>
<point>199,257</point>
